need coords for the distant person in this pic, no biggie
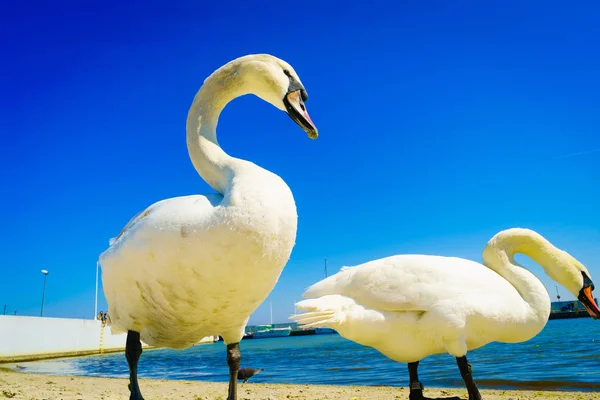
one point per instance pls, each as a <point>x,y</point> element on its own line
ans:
<point>100,316</point>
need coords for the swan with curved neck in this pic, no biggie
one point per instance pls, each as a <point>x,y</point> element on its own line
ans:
<point>274,82</point>
<point>199,265</point>
<point>411,306</point>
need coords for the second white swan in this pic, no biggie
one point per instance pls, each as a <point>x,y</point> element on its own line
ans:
<point>411,306</point>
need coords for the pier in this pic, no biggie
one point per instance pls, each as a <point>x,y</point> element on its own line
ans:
<point>568,309</point>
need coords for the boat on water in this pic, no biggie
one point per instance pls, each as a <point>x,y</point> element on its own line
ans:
<point>269,331</point>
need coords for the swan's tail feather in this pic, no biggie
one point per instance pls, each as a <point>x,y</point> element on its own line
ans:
<point>327,311</point>
<point>112,241</point>
<point>313,316</point>
<point>317,319</point>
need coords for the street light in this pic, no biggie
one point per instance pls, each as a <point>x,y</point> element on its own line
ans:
<point>96,303</point>
<point>45,272</point>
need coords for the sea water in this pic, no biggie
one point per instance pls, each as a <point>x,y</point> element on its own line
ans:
<point>565,355</point>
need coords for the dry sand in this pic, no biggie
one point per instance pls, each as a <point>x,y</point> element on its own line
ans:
<point>25,386</point>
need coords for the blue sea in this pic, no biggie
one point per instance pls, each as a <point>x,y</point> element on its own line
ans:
<point>564,356</point>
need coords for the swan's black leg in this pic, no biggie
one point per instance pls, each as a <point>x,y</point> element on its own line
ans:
<point>133,351</point>
<point>233,360</point>
<point>416,387</point>
<point>465,371</point>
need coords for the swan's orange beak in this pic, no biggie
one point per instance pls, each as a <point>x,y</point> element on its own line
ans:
<point>587,299</point>
<point>294,104</point>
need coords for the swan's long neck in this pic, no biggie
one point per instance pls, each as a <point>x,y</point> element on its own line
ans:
<point>499,254</point>
<point>211,162</point>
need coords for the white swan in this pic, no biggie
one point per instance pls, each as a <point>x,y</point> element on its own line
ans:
<point>194,266</point>
<point>411,306</point>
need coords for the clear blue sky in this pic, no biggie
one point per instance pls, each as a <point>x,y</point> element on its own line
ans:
<point>440,125</point>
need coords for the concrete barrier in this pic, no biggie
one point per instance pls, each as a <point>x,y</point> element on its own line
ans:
<point>35,338</point>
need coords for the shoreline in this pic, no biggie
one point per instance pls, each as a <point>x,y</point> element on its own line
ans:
<point>26,358</point>
<point>24,385</point>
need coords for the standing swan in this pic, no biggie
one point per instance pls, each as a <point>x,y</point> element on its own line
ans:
<point>411,306</point>
<point>193,266</point>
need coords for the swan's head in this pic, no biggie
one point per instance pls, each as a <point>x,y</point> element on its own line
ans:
<point>574,276</point>
<point>276,82</point>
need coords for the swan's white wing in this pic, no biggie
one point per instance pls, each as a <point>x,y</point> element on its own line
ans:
<point>129,224</point>
<point>136,218</point>
<point>147,248</point>
<point>406,282</point>
<point>198,204</point>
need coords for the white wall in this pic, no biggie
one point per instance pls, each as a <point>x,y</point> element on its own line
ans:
<point>27,338</point>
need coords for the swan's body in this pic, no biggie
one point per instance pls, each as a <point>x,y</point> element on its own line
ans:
<point>199,265</point>
<point>411,306</point>
<point>196,266</point>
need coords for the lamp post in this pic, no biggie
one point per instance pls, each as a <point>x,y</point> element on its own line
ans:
<point>45,272</point>
<point>96,303</point>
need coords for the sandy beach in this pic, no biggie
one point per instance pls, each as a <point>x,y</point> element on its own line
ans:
<point>26,386</point>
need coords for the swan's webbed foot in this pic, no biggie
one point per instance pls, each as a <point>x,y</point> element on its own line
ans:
<point>133,351</point>
<point>233,360</point>
<point>134,395</point>
<point>467,375</point>
<point>416,391</point>
<point>416,387</point>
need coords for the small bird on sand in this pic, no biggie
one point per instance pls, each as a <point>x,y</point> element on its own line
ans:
<point>247,373</point>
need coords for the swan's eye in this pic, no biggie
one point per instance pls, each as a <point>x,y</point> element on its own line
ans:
<point>287,72</point>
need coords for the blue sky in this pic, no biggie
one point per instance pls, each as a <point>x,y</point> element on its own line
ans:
<point>440,125</point>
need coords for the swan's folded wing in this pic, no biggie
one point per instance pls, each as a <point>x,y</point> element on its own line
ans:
<point>129,224</point>
<point>195,203</point>
<point>399,283</point>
